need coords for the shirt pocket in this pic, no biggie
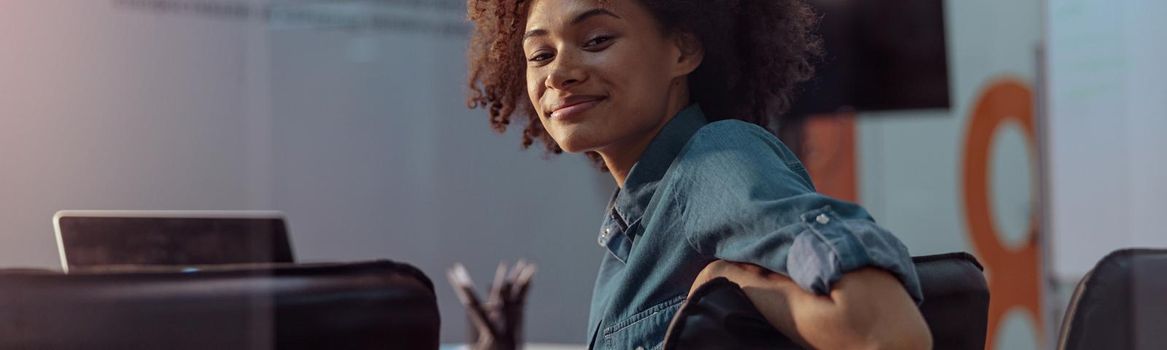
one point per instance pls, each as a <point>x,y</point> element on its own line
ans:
<point>643,330</point>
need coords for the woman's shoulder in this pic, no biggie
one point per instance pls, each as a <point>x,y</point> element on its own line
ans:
<point>733,156</point>
<point>733,127</point>
<point>727,166</point>
<point>736,143</point>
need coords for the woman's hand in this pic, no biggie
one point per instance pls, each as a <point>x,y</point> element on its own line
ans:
<point>866,309</point>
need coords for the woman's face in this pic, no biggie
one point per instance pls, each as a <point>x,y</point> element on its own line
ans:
<point>599,76</point>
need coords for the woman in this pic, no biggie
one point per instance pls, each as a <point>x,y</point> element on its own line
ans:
<point>668,96</point>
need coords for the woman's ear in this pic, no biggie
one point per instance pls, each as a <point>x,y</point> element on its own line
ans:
<point>690,53</point>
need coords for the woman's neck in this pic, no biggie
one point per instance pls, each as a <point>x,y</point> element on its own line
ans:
<point>619,159</point>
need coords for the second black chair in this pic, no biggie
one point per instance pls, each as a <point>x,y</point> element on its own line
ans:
<point>1120,304</point>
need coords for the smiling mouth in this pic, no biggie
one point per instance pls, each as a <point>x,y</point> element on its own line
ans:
<point>570,110</point>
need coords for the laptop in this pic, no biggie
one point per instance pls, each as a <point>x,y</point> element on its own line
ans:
<point>104,239</point>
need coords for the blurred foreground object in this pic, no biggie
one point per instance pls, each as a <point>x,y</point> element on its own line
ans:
<point>1120,304</point>
<point>367,305</point>
<point>497,324</point>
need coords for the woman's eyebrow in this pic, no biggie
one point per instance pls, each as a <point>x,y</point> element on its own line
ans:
<point>592,13</point>
<point>578,18</point>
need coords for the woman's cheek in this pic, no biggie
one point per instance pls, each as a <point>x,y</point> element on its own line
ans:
<point>535,93</point>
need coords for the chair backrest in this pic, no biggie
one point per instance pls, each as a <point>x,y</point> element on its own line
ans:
<point>1120,304</point>
<point>956,307</point>
<point>956,300</point>
<point>379,304</point>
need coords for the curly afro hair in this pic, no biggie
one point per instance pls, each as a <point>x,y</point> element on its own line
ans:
<point>756,52</point>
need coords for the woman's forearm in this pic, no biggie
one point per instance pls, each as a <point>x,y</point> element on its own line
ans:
<point>867,308</point>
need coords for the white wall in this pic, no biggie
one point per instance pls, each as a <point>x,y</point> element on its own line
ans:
<point>1108,112</point>
<point>102,108</point>
<point>360,135</point>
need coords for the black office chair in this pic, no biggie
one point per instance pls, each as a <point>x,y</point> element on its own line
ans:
<point>956,300</point>
<point>1120,304</point>
<point>956,307</point>
<point>370,305</point>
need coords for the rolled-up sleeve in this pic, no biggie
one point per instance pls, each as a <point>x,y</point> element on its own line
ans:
<point>832,244</point>
<point>739,204</point>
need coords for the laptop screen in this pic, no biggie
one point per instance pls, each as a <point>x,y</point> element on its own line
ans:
<point>95,241</point>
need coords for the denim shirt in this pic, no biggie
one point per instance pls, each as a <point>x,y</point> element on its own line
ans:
<point>725,190</point>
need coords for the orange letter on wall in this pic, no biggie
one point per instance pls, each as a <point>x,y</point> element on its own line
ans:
<point>1013,274</point>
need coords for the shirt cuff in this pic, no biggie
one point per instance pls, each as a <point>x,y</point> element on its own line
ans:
<point>831,246</point>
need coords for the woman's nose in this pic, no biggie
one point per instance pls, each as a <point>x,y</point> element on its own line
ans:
<point>566,71</point>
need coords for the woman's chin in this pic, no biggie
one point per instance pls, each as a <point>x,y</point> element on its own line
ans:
<point>570,148</point>
<point>576,146</point>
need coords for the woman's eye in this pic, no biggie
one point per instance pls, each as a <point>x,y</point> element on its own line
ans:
<point>540,57</point>
<point>597,41</point>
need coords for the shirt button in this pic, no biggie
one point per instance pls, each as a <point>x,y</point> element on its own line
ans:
<point>822,219</point>
<point>603,239</point>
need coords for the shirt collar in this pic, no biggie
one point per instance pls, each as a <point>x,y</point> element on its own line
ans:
<point>642,180</point>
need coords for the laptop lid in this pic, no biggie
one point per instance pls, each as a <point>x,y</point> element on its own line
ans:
<point>101,238</point>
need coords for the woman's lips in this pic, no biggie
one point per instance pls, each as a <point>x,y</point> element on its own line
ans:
<point>575,109</point>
